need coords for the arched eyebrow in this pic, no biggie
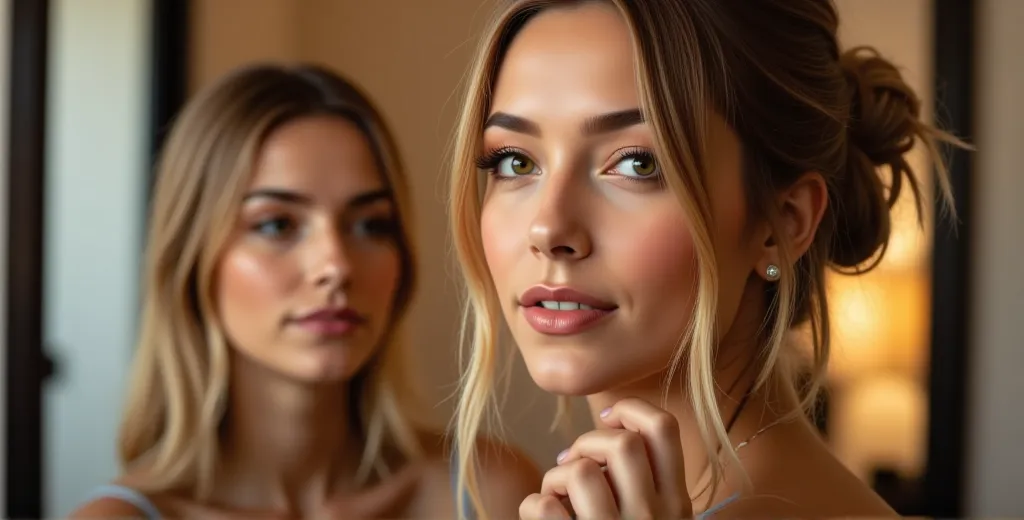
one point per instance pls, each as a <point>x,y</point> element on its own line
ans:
<point>513,123</point>
<point>294,197</point>
<point>612,121</point>
<point>600,124</point>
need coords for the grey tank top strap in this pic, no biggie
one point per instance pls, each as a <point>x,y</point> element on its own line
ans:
<point>129,495</point>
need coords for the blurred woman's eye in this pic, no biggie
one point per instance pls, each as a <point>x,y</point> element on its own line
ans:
<point>276,228</point>
<point>376,227</point>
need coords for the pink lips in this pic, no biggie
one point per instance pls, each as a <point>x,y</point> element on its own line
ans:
<point>331,321</point>
<point>563,321</point>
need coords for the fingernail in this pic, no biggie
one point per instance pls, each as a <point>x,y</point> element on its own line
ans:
<point>605,412</point>
<point>562,456</point>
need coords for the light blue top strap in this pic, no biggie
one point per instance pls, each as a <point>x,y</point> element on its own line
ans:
<point>717,507</point>
<point>463,497</point>
<point>129,495</point>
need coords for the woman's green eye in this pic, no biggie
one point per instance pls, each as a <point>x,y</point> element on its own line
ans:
<point>637,166</point>
<point>644,165</point>
<point>516,165</point>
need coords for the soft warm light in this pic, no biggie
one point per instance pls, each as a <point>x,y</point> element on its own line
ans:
<point>878,422</point>
<point>881,319</point>
<point>879,322</point>
<point>879,341</point>
<point>910,236</point>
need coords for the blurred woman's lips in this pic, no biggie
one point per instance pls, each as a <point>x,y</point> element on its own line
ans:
<point>337,321</point>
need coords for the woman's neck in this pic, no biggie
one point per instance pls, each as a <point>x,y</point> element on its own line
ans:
<point>744,412</point>
<point>285,443</point>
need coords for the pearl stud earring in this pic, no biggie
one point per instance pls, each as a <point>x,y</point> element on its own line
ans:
<point>772,272</point>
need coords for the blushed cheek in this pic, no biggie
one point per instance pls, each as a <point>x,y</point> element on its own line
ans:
<point>502,243</point>
<point>250,292</point>
<point>659,265</point>
<point>379,276</point>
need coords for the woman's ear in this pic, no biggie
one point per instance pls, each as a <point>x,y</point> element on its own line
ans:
<point>801,207</point>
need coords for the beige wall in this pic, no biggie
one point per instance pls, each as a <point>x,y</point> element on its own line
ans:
<point>996,424</point>
<point>228,33</point>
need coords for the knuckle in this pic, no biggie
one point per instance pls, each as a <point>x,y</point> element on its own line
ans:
<point>586,437</point>
<point>549,478</point>
<point>530,507</point>
<point>549,507</point>
<point>665,424</point>
<point>539,506</point>
<point>630,444</point>
<point>585,469</point>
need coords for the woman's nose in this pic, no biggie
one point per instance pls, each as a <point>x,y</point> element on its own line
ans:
<point>558,230</point>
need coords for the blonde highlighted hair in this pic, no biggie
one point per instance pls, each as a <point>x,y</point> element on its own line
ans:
<point>169,438</point>
<point>774,71</point>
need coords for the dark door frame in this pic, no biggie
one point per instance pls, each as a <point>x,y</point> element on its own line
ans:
<point>27,366</point>
<point>170,68</point>
<point>954,68</point>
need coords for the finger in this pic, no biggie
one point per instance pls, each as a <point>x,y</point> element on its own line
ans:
<point>584,483</point>
<point>660,431</point>
<point>624,454</point>
<point>542,507</point>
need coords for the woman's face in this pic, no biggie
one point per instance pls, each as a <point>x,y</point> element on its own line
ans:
<point>306,284</point>
<point>590,254</point>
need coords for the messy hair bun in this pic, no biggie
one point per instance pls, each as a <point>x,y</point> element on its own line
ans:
<point>885,121</point>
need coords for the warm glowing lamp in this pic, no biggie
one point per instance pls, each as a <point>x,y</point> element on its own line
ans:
<point>879,323</point>
<point>880,422</point>
<point>879,339</point>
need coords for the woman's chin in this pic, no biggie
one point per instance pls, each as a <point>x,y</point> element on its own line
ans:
<point>572,382</point>
<point>572,374</point>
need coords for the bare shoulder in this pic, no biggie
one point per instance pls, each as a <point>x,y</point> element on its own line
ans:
<point>506,477</point>
<point>111,506</point>
<point>768,505</point>
<point>499,461</point>
<point>506,467</point>
<point>800,477</point>
<point>107,507</point>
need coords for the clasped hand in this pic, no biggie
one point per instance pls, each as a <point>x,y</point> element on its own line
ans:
<point>631,469</point>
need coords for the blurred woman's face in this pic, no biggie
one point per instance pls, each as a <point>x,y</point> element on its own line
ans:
<point>306,284</point>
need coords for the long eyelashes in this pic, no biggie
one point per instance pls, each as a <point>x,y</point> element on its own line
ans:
<point>490,160</point>
<point>642,163</point>
<point>639,157</point>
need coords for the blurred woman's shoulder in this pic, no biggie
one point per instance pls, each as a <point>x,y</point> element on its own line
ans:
<point>507,474</point>
<point>121,498</point>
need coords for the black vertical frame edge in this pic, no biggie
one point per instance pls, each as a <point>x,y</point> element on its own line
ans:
<point>27,365</point>
<point>169,69</point>
<point>954,66</point>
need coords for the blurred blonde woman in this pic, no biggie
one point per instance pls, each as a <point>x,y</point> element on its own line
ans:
<point>649,192</point>
<point>279,267</point>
